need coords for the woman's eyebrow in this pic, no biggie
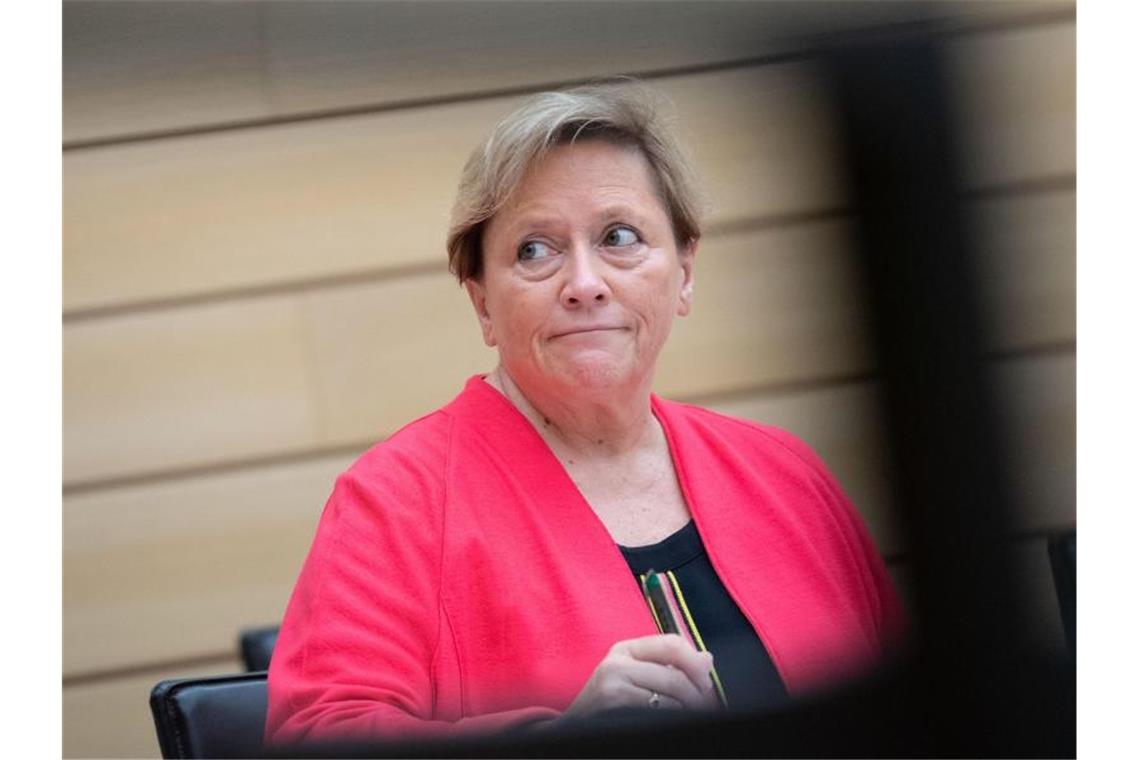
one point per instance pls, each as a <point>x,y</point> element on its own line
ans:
<point>620,210</point>
<point>542,221</point>
<point>528,224</point>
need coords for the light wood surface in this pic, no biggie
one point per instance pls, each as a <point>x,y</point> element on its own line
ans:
<point>182,386</point>
<point>1017,93</point>
<point>204,384</point>
<point>132,68</point>
<point>1027,270</point>
<point>302,203</point>
<point>111,718</point>
<point>174,569</point>
<point>361,196</point>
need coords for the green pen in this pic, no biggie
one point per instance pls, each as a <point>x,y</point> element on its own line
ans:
<point>667,622</point>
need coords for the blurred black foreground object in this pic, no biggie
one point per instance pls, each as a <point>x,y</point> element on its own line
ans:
<point>888,717</point>
<point>972,685</point>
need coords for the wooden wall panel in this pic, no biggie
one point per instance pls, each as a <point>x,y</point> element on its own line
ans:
<point>112,718</point>
<point>133,68</point>
<point>200,385</point>
<point>277,59</point>
<point>1027,248</point>
<point>386,353</point>
<point>288,372</point>
<point>323,55</point>
<point>305,202</point>
<point>1039,396</point>
<point>191,386</point>
<point>1017,103</point>
<point>777,306</point>
<point>252,209</point>
<point>173,569</point>
<point>772,307</point>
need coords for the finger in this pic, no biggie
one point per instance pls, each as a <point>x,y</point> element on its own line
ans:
<point>702,677</point>
<point>665,648</point>
<point>666,681</point>
<point>671,649</point>
<point>663,702</point>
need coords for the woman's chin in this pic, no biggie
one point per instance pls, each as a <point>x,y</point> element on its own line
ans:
<point>596,374</point>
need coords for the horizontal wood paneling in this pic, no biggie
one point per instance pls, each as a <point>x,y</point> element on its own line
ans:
<point>196,385</point>
<point>133,68</point>
<point>773,307</point>
<point>317,200</point>
<point>1017,103</point>
<point>1039,398</point>
<point>1027,267</point>
<point>173,569</point>
<point>282,374</point>
<point>129,67</point>
<point>305,202</point>
<point>112,718</point>
<point>277,375</point>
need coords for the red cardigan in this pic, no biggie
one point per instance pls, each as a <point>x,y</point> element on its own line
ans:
<point>458,579</point>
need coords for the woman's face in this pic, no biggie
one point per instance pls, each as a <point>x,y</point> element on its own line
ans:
<point>581,272</point>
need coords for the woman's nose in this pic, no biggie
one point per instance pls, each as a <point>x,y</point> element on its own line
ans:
<point>584,283</point>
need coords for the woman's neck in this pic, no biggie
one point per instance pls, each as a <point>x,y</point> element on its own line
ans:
<point>616,425</point>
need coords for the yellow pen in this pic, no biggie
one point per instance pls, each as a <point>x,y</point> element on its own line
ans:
<point>667,622</point>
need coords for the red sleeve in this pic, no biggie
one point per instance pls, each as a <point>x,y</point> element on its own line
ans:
<point>361,634</point>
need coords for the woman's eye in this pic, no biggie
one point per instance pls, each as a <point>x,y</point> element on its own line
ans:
<point>533,249</point>
<point>621,236</point>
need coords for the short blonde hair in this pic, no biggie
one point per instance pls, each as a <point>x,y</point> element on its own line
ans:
<point>623,113</point>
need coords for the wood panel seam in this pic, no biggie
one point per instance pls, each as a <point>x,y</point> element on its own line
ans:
<point>96,485</point>
<point>954,29</point>
<point>159,669</point>
<point>1029,188</point>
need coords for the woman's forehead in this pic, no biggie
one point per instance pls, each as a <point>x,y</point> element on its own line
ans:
<point>595,177</point>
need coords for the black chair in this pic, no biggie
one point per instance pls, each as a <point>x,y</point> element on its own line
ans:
<point>1063,558</point>
<point>257,647</point>
<point>220,716</point>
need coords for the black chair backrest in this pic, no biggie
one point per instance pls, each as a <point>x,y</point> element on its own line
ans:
<point>257,647</point>
<point>221,716</point>
<point>1063,557</point>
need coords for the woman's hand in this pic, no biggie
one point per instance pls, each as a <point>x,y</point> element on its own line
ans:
<point>636,669</point>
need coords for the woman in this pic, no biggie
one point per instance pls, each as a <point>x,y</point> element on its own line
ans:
<point>479,569</point>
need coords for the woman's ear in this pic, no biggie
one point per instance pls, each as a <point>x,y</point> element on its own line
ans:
<point>478,295</point>
<point>685,300</point>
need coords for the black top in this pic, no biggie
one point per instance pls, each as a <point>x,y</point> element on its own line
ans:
<point>746,671</point>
